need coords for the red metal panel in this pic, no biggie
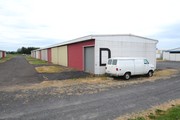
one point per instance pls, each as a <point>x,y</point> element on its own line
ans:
<point>49,55</point>
<point>75,54</point>
<point>40,54</point>
<point>3,54</point>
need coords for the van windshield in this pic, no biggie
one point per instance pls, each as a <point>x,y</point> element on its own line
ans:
<point>114,62</point>
<point>146,61</point>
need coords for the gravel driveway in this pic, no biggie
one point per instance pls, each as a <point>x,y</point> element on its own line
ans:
<point>43,104</point>
<point>18,71</point>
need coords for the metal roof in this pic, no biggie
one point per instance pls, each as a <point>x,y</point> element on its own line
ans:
<point>175,49</point>
<point>90,37</point>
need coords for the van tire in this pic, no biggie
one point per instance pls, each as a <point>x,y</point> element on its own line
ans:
<point>150,73</point>
<point>127,76</point>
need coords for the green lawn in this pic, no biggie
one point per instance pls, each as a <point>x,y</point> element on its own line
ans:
<point>35,61</point>
<point>171,114</point>
<point>8,57</point>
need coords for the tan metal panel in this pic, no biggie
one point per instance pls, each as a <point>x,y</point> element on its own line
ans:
<point>55,55</point>
<point>62,56</point>
<point>44,55</point>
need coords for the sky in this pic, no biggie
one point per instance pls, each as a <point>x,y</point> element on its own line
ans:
<point>40,23</point>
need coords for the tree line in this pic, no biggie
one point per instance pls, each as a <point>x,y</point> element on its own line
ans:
<point>23,50</point>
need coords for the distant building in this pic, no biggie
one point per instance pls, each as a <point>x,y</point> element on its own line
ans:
<point>159,54</point>
<point>90,53</point>
<point>2,54</point>
<point>172,54</point>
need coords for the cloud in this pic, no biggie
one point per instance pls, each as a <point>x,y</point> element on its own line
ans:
<point>169,36</point>
<point>45,22</point>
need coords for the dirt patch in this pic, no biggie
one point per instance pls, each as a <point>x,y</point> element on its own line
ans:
<point>162,107</point>
<point>52,69</point>
<point>167,72</point>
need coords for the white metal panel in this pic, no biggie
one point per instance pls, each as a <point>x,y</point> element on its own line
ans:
<point>172,57</point>
<point>166,56</point>
<point>89,37</point>
<point>125,46</point>
<point>177,57</point>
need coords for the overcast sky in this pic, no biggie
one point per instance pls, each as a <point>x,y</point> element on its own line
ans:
<point>40,23</point>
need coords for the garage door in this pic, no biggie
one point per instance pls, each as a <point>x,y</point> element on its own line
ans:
<point>89,59</point>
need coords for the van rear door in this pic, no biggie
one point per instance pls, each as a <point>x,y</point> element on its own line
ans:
<point>114,68</point>
<point>109,66</point>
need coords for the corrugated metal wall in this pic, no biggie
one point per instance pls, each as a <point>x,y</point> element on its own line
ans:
<point>44,55</point>
<point>54,55</point>
<point>2,54</point>
<point>171,56</point>
<point>62,56</point>
<point>123,46</point>
<point>49,55</point>
<point>75,54</point>
<point>37,54</point>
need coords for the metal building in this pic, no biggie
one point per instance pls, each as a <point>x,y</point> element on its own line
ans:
<point>2,54</point>
<point>172,55</point>
<point>90,53</point>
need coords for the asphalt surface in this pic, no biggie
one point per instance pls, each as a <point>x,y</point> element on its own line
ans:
<point>105,105</point>
<point>18,71</point>
<point>168,65</point>
<point>65,75</point>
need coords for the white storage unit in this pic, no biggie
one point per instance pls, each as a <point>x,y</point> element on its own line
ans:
<point>172,55</point>
<point>159,54</point>
<point>122,46</point>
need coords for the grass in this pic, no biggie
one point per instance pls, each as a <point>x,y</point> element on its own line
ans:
<point>166,111</point>
<point>48,69</point>
<point>52,69</point>
<point>8,57</point>
<point>35,61</point>
<point>172,113</point>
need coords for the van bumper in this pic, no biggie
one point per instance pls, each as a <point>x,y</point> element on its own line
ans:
<point>113,74</point>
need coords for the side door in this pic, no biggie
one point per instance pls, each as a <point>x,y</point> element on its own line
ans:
<point>139,66</point>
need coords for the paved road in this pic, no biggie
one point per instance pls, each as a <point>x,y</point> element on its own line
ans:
<point>168,65</point>
<point>18,71</point>
<point>104,105</point>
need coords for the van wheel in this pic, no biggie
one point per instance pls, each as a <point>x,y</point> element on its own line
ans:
<point>127,76</point>
<point>150,73</point>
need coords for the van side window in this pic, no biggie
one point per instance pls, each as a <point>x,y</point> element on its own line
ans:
<point>146,61</point>
<point>109,62</point>
<point>114,62</point>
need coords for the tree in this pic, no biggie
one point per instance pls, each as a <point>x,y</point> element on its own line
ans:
<point>25,50</point>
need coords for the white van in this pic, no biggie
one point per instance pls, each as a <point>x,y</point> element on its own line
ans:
<point>121,66</point>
